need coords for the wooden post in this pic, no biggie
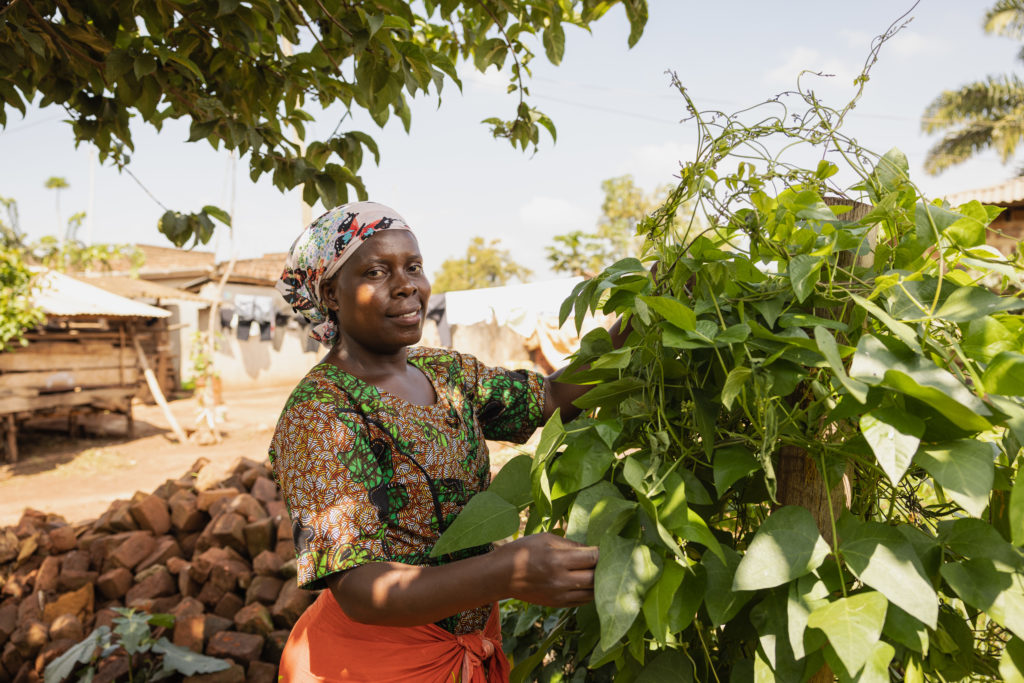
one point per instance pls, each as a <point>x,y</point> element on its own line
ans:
<point>158,395</point>
<point>11,430</point>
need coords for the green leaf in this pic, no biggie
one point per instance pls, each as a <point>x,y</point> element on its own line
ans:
<point>970,303</point>
<point>905,630</point>
<point>892,170</point>
<point>608,517</point>
<point>828,348</point>
<point>187,662</point>
<point>734,384</point>
<point>695,529</point>
<point>672,310</point>
<point>876,668</point>
<point>893,435</point>
<point>721,601</point>
<point>1005,374</point>
<point>853,625</point>
<point>882,558</point>
<point>805,595</point>
<point>803,273</point>
<point>584,461</point>
<point>486,518</point>
<point>660,597</point>
<point>731,464</point>
<point>551,437</point>
<point>1017,508</point>
<point>60,668</point>
<point>583,507</point>
<point>553,38</point>
<point>904,332</point>
<point>512,483</point>
<point>218,213</point>
<point>609,393</point>
<point>669,666</point>
<point>786,547</point>
<point>981,584</point>
<point>975,538</point>
<point>625,570</point>
<point>874,364</point>
<point>964,469</point>
<point>1011,664</point>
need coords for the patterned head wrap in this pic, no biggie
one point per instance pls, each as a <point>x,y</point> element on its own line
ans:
<point>321,250</point>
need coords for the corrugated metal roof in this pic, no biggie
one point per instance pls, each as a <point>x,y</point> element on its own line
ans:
<point>60,295</point>
<point>134,288</point>
<point>1010,192</point>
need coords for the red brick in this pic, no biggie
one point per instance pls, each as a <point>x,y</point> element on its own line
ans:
<point>112,668</point>
<point>290,604</point>
<point>187,607</point>
<point>277,510</point>
<point>31,522</point>
<point>8,621</point>
<point>264,589</point>
<point>210,496</point>
<point>133,549</point>
<point>264,490</point>
<point>259,536</point>
<point>30,637</point>
<point>120,518</point>
<point>185,512</point>
<point>63,539</point>
<point>229,530</point>
<point>189,632</point>
<point>105,617</point>
<point>254,618</point>
<point>284,529</point>
<point>154,585</point>
<point>67,626</point>
<point>10,658</point>
<point>274,646</point>
<point>241,647</point>
<point>79,602</point>
<point>49,570</point>
<point>228,605</point>
<point>188,543</point>
<point>285,550</point>
<point>247,506</point>
<point>150,513</point>
<point>166,548</point>
<point>177,565</point>
<point>215,625</point>
<point>187,586</point>
<point>228,574</point>
<point>71,579</point>
<point>233,674</point>
<point>115,583</point>
<point>30,608</point>
<point>261,672</point>
<point>266,563</point>
<point>77,560</point>
<point>210,594</point>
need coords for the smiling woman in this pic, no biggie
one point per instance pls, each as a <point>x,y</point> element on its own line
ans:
<point>378,449</point>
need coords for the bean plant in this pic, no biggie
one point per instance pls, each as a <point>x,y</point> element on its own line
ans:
<point>805,461</point>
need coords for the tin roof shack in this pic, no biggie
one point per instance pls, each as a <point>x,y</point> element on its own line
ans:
<point>1007,229</point>
<point>81,360</point>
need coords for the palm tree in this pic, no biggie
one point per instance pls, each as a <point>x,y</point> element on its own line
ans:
<point>985,114</point>
<point>56,183</point>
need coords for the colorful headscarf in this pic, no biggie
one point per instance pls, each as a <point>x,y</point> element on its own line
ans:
<point>321,250</point>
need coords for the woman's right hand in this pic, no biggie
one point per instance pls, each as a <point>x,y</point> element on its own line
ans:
<point>546,569</point>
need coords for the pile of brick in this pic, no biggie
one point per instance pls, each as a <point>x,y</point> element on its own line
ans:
<point>213,548</point>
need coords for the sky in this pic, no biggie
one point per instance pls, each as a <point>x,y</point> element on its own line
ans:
<point>614,107</point>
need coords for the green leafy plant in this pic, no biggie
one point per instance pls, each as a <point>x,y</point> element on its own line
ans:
<point>136,635</point>
<point>18,313</point>
<point>805,460</point>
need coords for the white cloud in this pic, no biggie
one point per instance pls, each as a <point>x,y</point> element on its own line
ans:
<point>808,59</point>
<point>553,212</point>
<point>911,43</point>
<point>653,165</point>
<point>491,81</point>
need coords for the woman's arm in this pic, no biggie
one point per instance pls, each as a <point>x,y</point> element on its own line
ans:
<point>541,568</point>
<point>561,395</point>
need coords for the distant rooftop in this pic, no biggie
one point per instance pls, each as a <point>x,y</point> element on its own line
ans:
<point>137,288</point>
<point>64,296</point>
<point>1010,192</point>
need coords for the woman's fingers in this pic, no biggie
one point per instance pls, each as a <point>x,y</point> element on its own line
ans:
<point>581,557</point>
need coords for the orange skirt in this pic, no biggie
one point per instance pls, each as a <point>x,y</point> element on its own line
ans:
<point>326,645</point>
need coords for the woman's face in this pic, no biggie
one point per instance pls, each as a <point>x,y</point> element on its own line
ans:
<point>380,295</point>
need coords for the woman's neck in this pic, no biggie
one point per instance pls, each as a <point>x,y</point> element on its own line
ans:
<point>367,365</point>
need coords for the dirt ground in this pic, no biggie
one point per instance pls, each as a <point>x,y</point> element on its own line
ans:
<point>78,478</point>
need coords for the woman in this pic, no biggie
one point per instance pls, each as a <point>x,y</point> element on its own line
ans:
<point>378,449</point>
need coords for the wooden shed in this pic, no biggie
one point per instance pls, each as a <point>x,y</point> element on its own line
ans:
<point>84,358</point>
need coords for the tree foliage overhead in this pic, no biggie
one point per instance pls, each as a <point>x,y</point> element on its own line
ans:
<point>983,115</point>
<point>485,264</point>
<point>244,74</point>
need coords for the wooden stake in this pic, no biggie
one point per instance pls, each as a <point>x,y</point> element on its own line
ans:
<point>154,388</point>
